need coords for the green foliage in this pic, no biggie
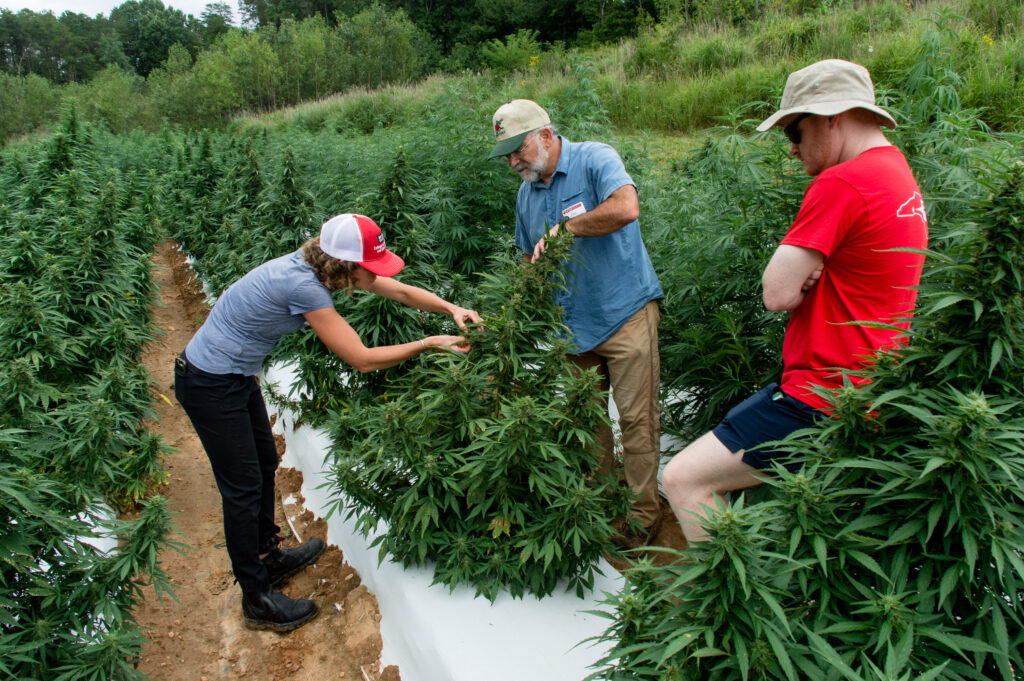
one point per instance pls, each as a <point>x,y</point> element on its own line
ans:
<point>66,49</point>
<point>379,46</point>
<point>995,17</point>
<point>734,12</point>
<point>115,96</point>
<point>728,213</point>
<point>368,113</point>
<point>27,103</point>
<point>418,167</point>
<point>147,31</point>
<point>699,60</point>
<point>484,465</point>
<point>996,86</point>
<point>66,607</point>
<point>896,552</point>
<point>518,51</point>
<point>73,404</point>
<point>685,74</point>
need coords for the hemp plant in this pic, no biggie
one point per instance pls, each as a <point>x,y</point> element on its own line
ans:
<point>483,465</point>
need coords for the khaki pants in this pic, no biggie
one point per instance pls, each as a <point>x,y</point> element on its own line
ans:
<point>629,364</point>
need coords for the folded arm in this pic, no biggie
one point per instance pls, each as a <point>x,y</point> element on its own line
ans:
<point>790,274</point>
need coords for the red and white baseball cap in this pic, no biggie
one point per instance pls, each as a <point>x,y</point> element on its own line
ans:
<point>358,239</point>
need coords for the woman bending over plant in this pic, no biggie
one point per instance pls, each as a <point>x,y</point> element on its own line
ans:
<point>214,380</point>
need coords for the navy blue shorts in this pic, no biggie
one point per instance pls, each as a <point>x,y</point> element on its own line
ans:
<point>767,415</point>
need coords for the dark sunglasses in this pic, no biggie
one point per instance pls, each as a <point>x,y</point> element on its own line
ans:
<point>792,132</point>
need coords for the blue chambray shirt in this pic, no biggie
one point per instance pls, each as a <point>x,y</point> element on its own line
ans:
<point>254,313</point>
<point>613,277</point>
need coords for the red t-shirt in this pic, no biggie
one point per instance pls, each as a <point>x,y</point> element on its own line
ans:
<point>852,213</point>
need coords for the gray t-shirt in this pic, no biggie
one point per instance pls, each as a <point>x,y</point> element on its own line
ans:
<point>254,313</point>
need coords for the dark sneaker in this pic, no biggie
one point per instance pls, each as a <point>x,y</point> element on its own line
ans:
<point>283,563</point>
<point>273,610</point>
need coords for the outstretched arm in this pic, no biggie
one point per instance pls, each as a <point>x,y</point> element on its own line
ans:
<point>421,299</point>
<point>331,328</point>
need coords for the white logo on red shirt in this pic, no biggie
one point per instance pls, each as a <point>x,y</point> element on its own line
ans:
<point>913,206</point>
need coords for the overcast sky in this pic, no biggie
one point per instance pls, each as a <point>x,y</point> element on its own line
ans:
<point>94,7</point>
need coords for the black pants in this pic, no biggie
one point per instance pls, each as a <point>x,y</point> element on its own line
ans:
<point>230,417</point>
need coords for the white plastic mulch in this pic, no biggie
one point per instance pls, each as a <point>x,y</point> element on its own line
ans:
<point>433,634</point>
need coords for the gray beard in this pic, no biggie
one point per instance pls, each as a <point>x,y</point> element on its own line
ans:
<point>533,171</point>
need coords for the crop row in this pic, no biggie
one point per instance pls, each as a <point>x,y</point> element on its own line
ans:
<point>76,289</point>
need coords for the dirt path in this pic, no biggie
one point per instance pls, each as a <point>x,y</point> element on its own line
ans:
<point>201,637</point>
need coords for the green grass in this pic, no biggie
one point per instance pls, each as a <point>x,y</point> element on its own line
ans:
<point>678,78</point>
<point>399,100</point>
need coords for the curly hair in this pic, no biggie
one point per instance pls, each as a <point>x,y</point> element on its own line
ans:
<point>333,273</point>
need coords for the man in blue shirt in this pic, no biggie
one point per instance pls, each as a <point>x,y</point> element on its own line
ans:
<point>611,307</point>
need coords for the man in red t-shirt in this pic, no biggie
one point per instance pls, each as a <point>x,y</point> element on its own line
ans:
<point>840,262</point>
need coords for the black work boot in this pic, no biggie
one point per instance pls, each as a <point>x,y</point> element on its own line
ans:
<point>283,563</point>
<point>273,610</point>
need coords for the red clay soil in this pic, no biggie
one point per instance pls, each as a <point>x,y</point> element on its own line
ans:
<point>201,637</point>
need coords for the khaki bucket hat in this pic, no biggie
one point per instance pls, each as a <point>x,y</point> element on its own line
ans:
<point>513,121</point>
<point>827,88</point>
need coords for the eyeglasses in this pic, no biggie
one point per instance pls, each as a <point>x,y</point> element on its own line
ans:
<point>518,153</point>
<point>792,132</point>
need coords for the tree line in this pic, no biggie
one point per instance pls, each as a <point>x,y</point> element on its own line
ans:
<point>243,70</point>
<point>139,34</point>
<point>74,47</point>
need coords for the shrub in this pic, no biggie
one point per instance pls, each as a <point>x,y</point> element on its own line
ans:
<point>995,17</point>
<point>519,51</point>
<point>117,97</point>
<point>73,402</point>
<point>718,344</point>
<point>995,85</point>
<point>378,46</point>
<point>66,606</point>
<point>895,553</point>
<point>653,51</point>
<point>370,112</point>
<point>713,54</point>
<point>690,103</point>
<point>730,12</point>
<point>788,37</point>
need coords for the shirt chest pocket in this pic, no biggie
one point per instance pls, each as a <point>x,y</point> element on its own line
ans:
<point>573,205</point>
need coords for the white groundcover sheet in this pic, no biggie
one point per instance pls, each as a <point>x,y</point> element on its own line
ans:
<point>434,634</point>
